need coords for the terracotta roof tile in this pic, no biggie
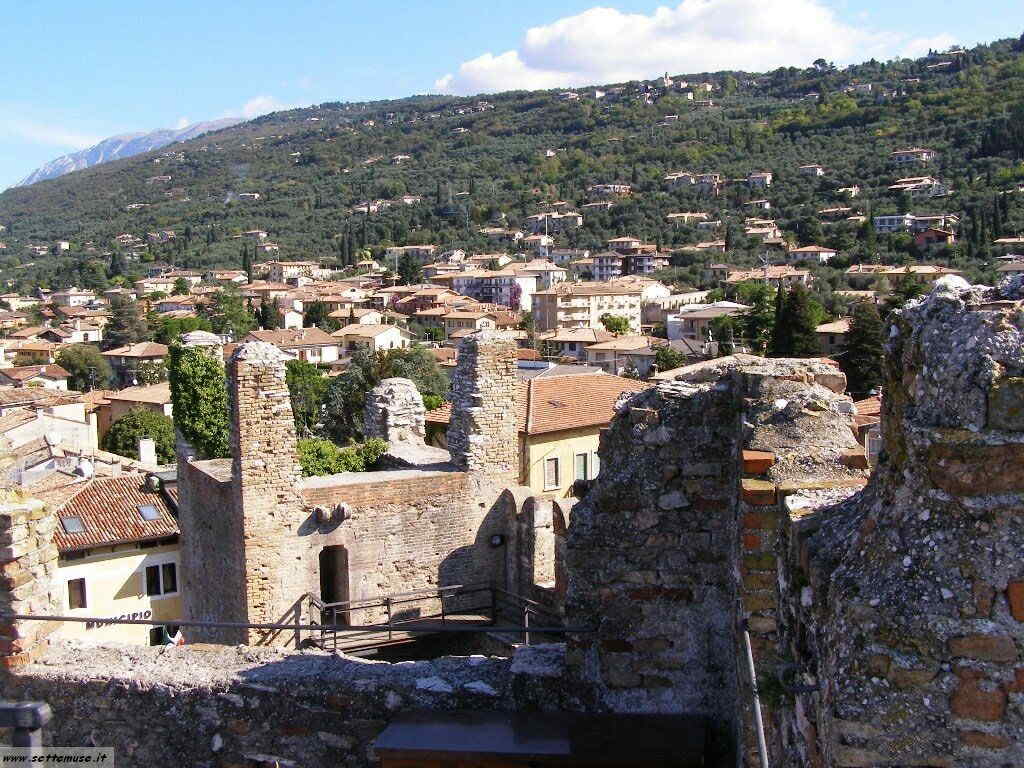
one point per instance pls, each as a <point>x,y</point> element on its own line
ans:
<point>109,510</point>
<point>555,403</point>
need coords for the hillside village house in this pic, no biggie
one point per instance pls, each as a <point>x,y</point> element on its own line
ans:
<point>150,397</point>
<point>612,355</point>
<point>473,321</point>
<point>694,323</point>
<point>72,297</point>
<point>118,556</point>
<point>125,361</point>
<point>813,253</point>
<point>812,170</point>
<point>581,305</point>
<point>374,338</point>
<point>547,274</point>
<point>865,274</point>
<point>309,344</point>
<point>560,421</point>
<point>50,376</point>
<point>777,276</point>
<point>571,342</point>
<point>910,156</point>
<point>422,253</point>
<point>283,271</point>
<point>760,180</point>
<point>833,336</point>
<point>920,186</point>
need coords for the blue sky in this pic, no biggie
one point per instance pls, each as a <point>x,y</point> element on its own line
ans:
<point>76,72</point>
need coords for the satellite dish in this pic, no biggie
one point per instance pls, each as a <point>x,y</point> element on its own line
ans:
<point>85,468</point>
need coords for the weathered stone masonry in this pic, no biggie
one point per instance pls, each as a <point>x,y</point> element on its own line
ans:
<point>426,525</point>
<point>887,620</point>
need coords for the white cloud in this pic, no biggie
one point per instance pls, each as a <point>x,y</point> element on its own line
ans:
<point>256,106</point>
<point>46,133</point>
<point>603,45</point>
<point>183,122</point>
<point>920,46</point>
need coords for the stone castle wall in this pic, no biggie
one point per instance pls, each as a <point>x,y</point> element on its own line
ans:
<point>28,569</point>
<point>397,531</point>
<point>483,434</point>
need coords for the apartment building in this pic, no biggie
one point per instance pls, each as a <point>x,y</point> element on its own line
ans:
<point>581,305</point>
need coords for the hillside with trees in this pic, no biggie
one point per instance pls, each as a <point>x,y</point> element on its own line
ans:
<point>466,163</point>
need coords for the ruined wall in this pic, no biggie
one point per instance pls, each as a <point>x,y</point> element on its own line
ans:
<point>673,548</point>
<point>483,432</point>
<point>261,707</point>
<point>394,412</point>
<point>265,468</point>
<point>920,609</point>
<point>258,552</point>
<point>28,567</point>
<point>212,546</point>
<point>650,558</point>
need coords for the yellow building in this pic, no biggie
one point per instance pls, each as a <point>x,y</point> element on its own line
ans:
<point>117,539</point>
<point>560,422</point>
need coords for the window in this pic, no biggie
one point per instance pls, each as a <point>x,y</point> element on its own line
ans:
<point>148,512</point>
<point>76,594</point>
<point>551,481</point>
<point>595,465</point>
<point>72,525</point>
<point>161,579</point>
<point>581,466</point>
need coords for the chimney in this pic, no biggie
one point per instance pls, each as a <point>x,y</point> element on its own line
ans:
<point>147,451</point>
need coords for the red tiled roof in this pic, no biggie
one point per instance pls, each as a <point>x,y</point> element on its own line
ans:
<point>109,510</point>
<point>26,372</point>
<point>556,403</point>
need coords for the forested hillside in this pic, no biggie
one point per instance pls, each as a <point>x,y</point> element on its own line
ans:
<point>473,159</point>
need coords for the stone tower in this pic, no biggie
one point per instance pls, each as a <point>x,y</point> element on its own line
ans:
<point>483,432</point>
<point>266,471</point>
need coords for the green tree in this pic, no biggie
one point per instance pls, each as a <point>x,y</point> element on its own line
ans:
<point>667,358</point>
<point>758,322</point>
<point>199,395</point>
<point>229,315</point>
<point>319,457</point>
<point>124,434</point>
<point>317,314</point>
<point>723,330</point>
<point>863,353</point>
<point>615,323</point>
<point>307,386</point>
<point>801,320</point>
<point>181,287</point>
<point>169,329</point>
<point>127,325</point>
<point>88,368</point>
<point>267,315</point>
<point>410,271</point>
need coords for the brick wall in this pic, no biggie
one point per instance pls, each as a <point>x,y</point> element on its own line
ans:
<point>483,432</point>
<point>28,566</point>
<point>650,558</point>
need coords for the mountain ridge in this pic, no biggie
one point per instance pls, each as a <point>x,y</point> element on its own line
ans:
<point>121,146</point>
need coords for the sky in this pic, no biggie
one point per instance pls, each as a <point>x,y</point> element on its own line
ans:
<point>77,72</point>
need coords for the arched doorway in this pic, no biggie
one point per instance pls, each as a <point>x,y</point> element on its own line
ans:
<point>334,580</point>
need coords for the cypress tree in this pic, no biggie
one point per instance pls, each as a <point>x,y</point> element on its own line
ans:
<point>779,338</point>
<point>863,353</point>
<point>799,317</point>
